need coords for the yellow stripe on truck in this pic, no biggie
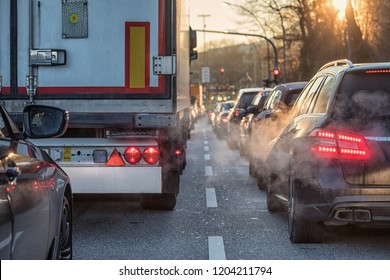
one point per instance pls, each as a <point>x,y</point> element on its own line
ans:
<point>137,56</point>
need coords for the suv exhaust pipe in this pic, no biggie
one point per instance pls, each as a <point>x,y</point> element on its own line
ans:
<point>353,215</point>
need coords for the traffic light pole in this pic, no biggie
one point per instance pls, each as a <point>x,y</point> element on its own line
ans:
<point>276,63</point>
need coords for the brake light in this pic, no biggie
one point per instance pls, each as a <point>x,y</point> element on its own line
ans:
<point>224,120</point>
<point>339,145</point>
<point>378,71</point>
<point>133,155</point>
<point>115,159</point>
<point>236,112</point>
<point>151,155</point>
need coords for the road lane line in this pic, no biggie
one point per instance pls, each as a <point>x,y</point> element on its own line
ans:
<point>206,148</point>
<point>216,248</point>
<point>207,157</point>
<point>211,198</point>
<point>208,170</point>
<point>205,142</point>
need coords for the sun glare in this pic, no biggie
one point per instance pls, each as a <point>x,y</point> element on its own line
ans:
<point>340,6</point>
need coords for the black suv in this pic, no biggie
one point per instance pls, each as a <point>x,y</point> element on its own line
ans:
<point>269,123</point>
<point>243,100</point>
<point>331,164</point>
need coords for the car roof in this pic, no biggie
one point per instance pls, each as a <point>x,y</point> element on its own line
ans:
<point>344,65</point>
<point>252,89</point>
<point>292,85</point>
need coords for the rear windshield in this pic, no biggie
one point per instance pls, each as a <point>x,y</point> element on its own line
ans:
<point>246,99</point>
<point>228,105</point>
<point>364,95</point>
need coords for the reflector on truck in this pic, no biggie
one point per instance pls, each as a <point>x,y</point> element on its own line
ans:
<point>137,55</point>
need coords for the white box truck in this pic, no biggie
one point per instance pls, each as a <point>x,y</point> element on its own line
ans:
<point>121,69</point>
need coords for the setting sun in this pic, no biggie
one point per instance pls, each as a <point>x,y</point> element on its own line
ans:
<point>340,6</point>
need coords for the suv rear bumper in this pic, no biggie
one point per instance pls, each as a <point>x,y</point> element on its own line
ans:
<point>337,209</point>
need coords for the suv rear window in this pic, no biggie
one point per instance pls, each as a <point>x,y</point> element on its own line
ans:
<point>246,99</point>
<point>364,95</point>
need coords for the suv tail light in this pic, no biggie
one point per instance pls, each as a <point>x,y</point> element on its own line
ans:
<point>339,145</point>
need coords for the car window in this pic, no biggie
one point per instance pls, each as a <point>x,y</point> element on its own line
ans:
<point>292,97</point>
<point>323,97</point>
<point>309,94</point>
<point>246,99</point>
<point>364,95</point>
<point>275,100</point>
<point>269,101</point>
<point>256,100</point>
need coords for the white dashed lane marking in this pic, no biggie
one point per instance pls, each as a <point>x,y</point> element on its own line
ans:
<point>216,248</point>
<point>211,198</point>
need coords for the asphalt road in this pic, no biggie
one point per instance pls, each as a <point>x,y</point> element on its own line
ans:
<point>220,214</point>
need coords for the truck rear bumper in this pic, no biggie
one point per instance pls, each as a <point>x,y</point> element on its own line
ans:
<point>115,180</point>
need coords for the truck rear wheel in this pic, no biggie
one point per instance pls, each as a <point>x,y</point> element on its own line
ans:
<point>161,201</point>
<point>167,199</point>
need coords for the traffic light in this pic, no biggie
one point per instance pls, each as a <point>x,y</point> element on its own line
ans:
<point>276,74</point>
<point>222,71</point>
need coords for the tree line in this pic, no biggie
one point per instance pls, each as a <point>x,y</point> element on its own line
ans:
<point>318,33</point>
<point>308,34</point>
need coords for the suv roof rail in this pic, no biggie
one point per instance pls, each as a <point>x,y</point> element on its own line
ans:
<point>339,62</point>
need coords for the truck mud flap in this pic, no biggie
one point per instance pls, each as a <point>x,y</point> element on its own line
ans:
<point>167,199</point>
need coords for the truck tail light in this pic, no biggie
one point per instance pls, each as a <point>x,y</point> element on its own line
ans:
<point>115,159</point>
<point>151,155</point>
<point>339,145</point>
<point>133,155</point>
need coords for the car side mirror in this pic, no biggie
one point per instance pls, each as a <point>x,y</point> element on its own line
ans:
<point>44,121</point>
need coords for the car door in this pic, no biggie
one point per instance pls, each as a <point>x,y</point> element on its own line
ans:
<point>24,189</point>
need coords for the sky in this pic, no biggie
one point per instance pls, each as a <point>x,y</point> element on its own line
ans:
<point>220,17</point>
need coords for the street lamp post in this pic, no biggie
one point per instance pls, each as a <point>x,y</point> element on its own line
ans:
<point>203,16</point>
<point>276,63</point>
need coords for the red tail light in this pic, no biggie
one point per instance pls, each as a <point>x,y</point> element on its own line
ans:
<point>224,120</point>
<point>151,155</point>
<point>236,112</point>
<point>339,145</point>
<point>133,155</point>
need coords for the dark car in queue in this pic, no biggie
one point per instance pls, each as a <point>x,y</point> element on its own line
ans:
<point>246,122</point>
<point>331,165</point>
<point>35,193</point>
<point>268,124</point>
<point>243,100</point>
<point>221,120</point>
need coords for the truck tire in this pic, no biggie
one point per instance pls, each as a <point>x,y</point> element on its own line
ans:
<point>162,201</point>
<point>167,199</point>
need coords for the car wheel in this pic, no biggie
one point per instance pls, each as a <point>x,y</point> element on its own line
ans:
<point>273,204</point>
<point>251,167</point>
<point>65,235</point>
<point>261,176</point>
<point>300,230</point>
